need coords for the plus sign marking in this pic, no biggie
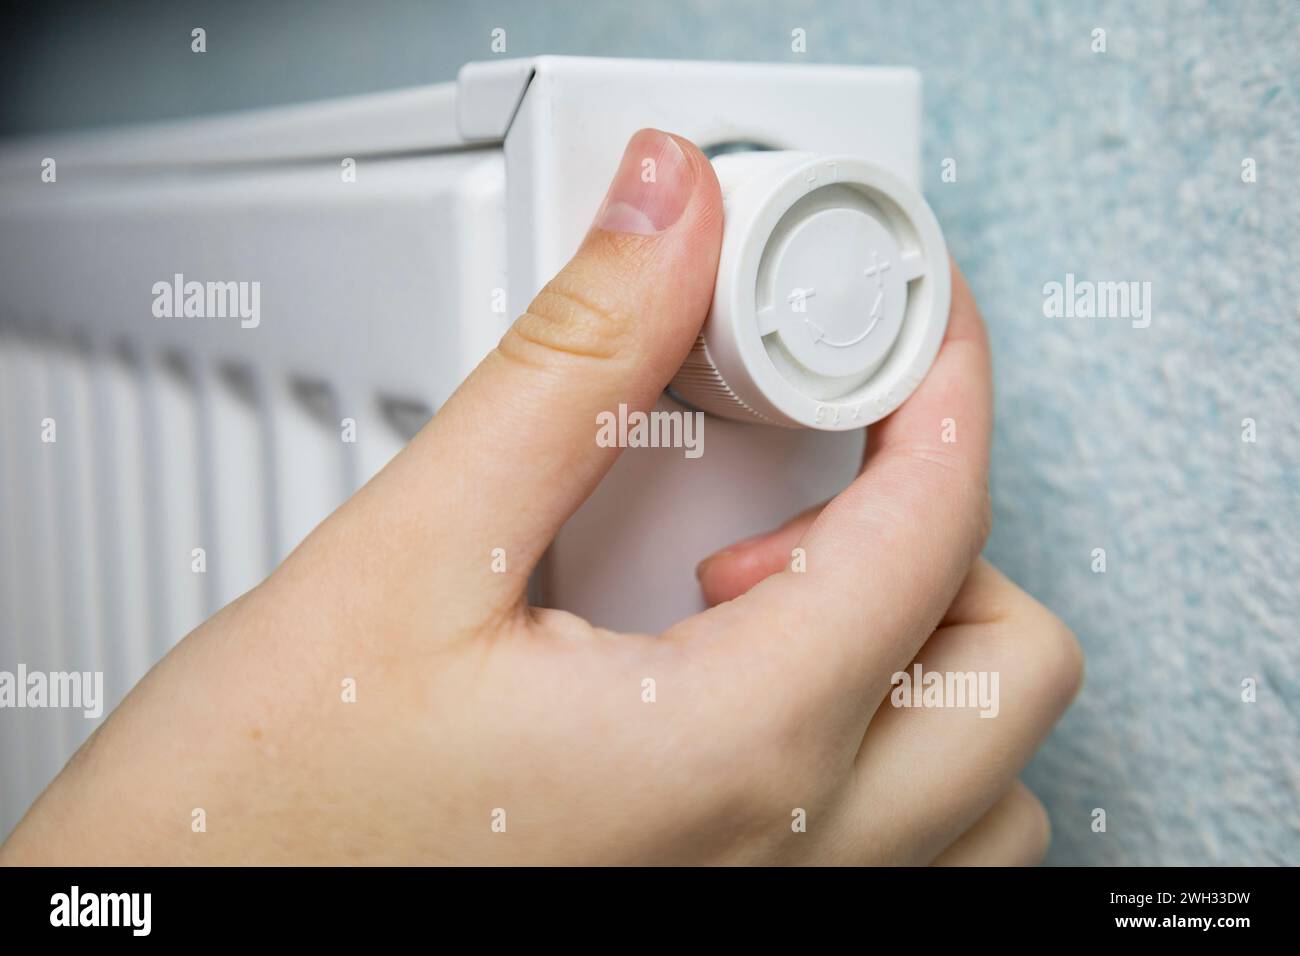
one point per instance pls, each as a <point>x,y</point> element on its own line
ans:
<point>877,269</point>
<point>798,299</point>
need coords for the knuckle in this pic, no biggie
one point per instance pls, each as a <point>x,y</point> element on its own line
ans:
<point>1037,828</point>
<point>746,762</point>
<point>784,766</point>
<point>1060,663</point>
<point>781,750</point>
<point>571,318</point>
<point>1038,651</point>
<point>802,764</point>
<point>790,754</point>
<point>756,768</point>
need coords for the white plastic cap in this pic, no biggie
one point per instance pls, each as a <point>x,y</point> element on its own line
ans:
<point>832,294</point>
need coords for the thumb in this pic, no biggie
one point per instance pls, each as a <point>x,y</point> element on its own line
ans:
<point>513,453</point>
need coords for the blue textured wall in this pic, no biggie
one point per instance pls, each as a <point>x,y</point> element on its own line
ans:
<point>1117,166</point>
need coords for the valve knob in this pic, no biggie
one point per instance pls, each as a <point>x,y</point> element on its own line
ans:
<point>831,299</point>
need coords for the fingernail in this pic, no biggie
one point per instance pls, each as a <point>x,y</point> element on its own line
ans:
<point>650,189</point>
<point>704,565</point>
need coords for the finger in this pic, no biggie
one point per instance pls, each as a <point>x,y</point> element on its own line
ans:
<point>1016,832</point>
<point>884,558</point>
<point>959,387</point>
<point>729,573</point>
<point>934,770</point>
<point>514,451</point>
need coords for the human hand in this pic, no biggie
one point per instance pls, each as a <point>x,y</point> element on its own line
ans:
<point>487,731</point>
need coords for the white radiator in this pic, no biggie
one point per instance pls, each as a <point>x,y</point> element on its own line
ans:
<point>152,468</point>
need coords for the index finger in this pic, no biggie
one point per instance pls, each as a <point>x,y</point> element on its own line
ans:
<point>884,559</point>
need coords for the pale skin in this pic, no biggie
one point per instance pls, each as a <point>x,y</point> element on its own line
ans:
<point>469,702</point>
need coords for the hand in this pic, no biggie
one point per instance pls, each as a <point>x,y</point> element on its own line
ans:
<point>487,731</point>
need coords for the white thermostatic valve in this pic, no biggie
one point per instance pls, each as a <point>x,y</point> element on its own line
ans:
<point>832,294</point>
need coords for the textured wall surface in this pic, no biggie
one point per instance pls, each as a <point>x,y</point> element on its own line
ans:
<point>1117,166</point>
